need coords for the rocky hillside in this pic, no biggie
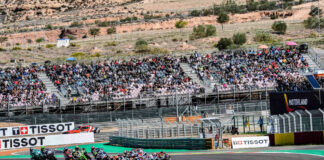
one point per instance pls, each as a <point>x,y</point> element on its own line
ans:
<point>17,10</point>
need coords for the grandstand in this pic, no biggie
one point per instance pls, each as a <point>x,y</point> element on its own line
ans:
<point>160,81</point>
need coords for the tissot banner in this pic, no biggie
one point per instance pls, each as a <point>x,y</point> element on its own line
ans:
<point>285,102</point>
<point>250,142</point>
<point>36,129</point>
<point>34,141</point>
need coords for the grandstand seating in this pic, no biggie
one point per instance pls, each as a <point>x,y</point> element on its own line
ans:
<point>243,70</point>
<point>158,76</point>
<point>21,87</point>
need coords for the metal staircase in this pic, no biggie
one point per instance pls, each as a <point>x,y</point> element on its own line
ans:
<point>52,89</point>
<point>192,74</point>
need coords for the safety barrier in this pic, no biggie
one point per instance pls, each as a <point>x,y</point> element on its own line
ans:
<point>309,138</point>
<point>298,138</point>
<point>170,119</point>
<point>284,139</point>
<point>183,119</point>
<point>181,143</point>
<point>210,143</point>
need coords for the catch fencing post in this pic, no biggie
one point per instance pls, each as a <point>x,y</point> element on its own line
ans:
<point>295,125</point>
<point>300,121</point>
<point>289,125</point>
<point>323,117</point>
<point>310,119</point>
<point>184,129</point>
<point>283,122</point>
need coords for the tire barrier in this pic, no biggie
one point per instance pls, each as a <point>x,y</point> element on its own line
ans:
<point>299,138</point>
<point>180,143</point>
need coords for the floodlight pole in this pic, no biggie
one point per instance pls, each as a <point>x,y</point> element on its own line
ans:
<point>319,17</point>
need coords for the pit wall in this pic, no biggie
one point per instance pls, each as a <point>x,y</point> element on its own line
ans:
<point>300,138</point>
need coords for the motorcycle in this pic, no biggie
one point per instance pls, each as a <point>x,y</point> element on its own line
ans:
<point>163,156</point>
<point>99,154</point>
<point>81,155</point>
<point>67,154</point>
<point>35,154</point>
<point>49,154</point>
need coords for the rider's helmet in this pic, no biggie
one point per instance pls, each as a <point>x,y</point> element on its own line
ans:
<point>42,148</point>
<point>92,148</point>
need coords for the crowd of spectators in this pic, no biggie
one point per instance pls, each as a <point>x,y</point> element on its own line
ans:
<point>21,87</point>
<point>244,70</point>
<point>158,76</point>
<point>121,79</point>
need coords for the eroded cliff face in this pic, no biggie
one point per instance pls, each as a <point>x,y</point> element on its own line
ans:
<point>18,10</point>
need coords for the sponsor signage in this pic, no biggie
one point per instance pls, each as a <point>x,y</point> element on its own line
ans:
<point>36,129</point>
<point>285,102</point>
<point>34,141</point>
<point>250,142</point>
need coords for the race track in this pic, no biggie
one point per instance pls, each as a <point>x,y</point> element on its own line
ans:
<point>248,156</point>
<point>239,156</point>
<point>306,152</point>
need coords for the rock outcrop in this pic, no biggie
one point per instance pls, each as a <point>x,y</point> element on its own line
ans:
<point>17,10</point>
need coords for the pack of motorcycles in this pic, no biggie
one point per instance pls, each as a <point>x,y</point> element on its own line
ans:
<point>98,154</point>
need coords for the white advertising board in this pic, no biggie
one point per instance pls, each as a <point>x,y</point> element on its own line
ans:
<point>250,142</point>
<point>34,141</point>
<point>36,129</point>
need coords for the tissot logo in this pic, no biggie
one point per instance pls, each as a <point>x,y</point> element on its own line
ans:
<point>250,142</point>
<point>36,129</point>
<point>23,130</point>
<point>16,131</point>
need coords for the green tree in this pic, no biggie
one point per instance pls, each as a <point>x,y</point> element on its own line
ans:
<point>96,55</point>
<point>76,24</point>
<point>210,30</point>
<point>195,13</point>
<point>141,46</point>
<point>40,40</point>
<point>49,27</point>
<point>198,32</point>
<point>78,54</point>
<point>3,39</point>
<point>111,30</point>
<point>202,31</point>
<point>314,11</point>
<point>280,27</point>
<point>263,37</point>
<point>94,32</point>
<point>141,42</point>
<point>224,43</point>
<point>239,38</point>
<point>181,24</point>
<point>223,18</point>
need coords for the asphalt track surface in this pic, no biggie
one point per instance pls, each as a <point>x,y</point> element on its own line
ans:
<point>241,156</point>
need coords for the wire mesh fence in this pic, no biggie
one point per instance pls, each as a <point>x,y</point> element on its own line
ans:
<point>223,109</point>
<point>297,121</point>
<point>161,129</point>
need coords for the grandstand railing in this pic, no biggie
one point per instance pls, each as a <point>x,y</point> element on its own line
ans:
<point>221,109</point>
<point>297,121</point>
